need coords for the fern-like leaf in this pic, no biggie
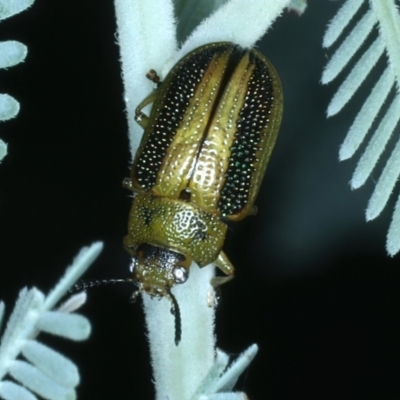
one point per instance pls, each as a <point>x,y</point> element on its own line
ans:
<point>44,371</point>
<point>384,15</point>
<point>11,53</point>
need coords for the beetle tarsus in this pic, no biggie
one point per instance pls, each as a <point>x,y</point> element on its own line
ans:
<point>153,76</point>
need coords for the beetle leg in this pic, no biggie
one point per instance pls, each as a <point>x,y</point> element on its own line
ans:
<point>223,263</point>
<point>140,117</point>
<point>217,281</point>
<point>254,210</point>
<point>128,244</point>
<point>153,76</point>
<point>128,184</point>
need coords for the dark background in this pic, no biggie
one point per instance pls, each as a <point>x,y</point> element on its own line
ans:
<point>314,287</point>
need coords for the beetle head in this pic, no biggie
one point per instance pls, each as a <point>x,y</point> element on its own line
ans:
<point>156,269</point>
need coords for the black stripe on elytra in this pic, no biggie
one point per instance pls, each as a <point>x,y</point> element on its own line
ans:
<point>169,110</point>
<point>253,119</point>
<point>234,59</point>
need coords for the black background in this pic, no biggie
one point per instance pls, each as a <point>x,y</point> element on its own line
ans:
<point>314,286</point>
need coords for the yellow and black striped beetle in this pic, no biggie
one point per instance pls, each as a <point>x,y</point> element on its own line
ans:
<point>205,147</point>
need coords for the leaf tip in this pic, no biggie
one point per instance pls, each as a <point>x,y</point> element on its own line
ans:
<point>3,149</point>
<point>9,107</point>
<point>392,247</point>
<point>357,180</point>
<point>373,209</point>
<point>345,152</point>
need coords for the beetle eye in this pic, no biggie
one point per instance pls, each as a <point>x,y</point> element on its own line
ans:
<point>180,274</point>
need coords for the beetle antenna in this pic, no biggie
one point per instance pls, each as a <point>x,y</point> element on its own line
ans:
<point>84,285</point>
<point>177,314</point>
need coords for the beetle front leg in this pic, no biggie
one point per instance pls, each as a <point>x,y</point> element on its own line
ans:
<point>223,263</point>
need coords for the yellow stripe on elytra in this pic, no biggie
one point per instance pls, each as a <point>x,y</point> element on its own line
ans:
<point>181,156</point>
<point>213,161</point>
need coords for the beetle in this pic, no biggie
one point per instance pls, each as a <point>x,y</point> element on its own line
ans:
<point>201,160</point>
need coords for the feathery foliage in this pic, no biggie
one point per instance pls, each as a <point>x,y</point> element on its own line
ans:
<point>43,371</point>
<point>11,53</point>
<point>384,15</point>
